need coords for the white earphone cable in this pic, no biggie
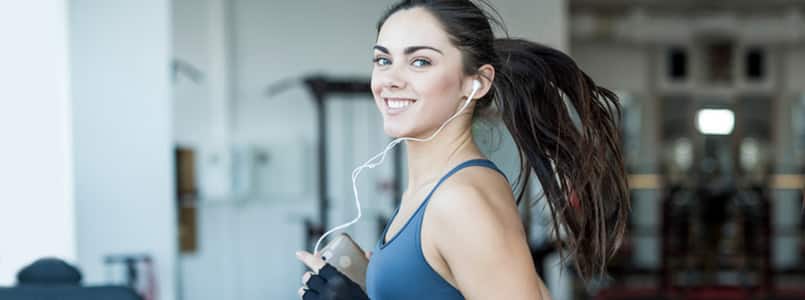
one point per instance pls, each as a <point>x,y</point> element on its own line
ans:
<point>382,156</point>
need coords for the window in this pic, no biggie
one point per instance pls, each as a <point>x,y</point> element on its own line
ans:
<point>677,64</point>
<point>719,62</point>
<point>755,64</point>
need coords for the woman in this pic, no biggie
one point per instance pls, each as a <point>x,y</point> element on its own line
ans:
<point>457,232</point>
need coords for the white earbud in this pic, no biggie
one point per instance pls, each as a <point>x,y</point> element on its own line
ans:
<point>476,85</point>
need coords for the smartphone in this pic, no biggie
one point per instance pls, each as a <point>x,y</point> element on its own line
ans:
<point>347,257</point>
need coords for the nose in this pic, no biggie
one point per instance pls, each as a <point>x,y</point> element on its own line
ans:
<point>392,79</point>
<point>394,83</point>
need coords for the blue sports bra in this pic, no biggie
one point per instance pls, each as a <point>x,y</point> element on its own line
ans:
<point>398,269</point>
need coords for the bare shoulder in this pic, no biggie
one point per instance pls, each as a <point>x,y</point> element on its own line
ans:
<point>475,195</point>
<point>475,219</point>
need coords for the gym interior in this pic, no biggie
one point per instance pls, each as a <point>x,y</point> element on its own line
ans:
<point>185,149</point>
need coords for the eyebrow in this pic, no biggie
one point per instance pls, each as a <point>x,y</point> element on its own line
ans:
<point>407,50</point>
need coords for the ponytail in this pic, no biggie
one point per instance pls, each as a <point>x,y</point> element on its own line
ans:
<point>578,163</point>
<point>540,92</point>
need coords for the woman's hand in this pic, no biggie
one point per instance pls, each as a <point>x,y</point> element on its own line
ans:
<point>325,282</point>
<point>314,263</point>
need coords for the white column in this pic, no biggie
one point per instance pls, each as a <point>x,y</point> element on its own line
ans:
<point>122,109</point>
<point>215,163</point>
<point>36,199</point>
<point>221,69</point>
<point>786,203</point>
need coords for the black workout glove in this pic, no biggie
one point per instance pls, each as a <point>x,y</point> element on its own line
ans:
<point>330,284</point>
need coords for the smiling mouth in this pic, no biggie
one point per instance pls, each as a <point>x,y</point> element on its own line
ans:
<point>397,105</point>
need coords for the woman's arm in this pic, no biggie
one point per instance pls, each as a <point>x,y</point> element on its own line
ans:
<point>483,242</point>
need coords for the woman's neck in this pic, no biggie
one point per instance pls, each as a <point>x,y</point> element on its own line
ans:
<point>429,161</point>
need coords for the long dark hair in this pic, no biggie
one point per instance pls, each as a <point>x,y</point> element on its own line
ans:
<point>538,92</point>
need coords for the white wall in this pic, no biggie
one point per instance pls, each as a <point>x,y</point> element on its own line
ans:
<point>246,247</point>
<point>615,66</point>
<point>191,44</point>
<point>545,22</point>
<point>122,110</point>
<point>36,200</point>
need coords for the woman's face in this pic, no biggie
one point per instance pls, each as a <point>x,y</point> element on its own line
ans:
<point>417,78</point>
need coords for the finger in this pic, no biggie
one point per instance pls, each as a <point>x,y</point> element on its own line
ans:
<point>314,262</point>
<point>301,292</point>
<point>306,277</point>
<point>329,272</point>
<point>316,283</point>
<point>309,294</point>
<point>368,254</point>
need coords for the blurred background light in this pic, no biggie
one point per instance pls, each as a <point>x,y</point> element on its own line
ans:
<point>715,121</point>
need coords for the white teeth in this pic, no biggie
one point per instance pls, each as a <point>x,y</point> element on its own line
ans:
<point>399,103</point>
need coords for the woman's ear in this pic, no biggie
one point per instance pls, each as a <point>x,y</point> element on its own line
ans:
<point>486,75</point>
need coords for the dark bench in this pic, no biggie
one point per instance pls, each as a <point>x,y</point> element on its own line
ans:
<point>54,279</point>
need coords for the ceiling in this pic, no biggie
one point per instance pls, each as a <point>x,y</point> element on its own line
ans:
<point>680,6</point>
